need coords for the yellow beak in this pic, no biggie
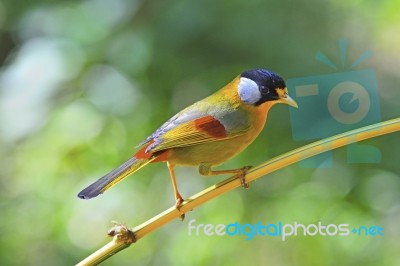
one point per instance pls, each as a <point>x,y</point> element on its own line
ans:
<point>288,100</point>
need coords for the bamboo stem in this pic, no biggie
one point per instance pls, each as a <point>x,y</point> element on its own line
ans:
<point>124,237</point>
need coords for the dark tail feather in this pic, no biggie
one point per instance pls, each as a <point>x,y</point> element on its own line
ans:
<point>112,178</point>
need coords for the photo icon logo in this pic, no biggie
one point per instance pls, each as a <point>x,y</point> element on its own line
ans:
<point>334,103</point>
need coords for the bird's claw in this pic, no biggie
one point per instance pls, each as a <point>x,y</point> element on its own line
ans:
<point>178,203</point>
<point>242,177</point>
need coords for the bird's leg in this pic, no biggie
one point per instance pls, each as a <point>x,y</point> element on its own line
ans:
<point>178,197</point>
<point>205,169</point>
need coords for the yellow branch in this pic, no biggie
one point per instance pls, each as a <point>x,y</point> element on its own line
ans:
<point>124,237</point>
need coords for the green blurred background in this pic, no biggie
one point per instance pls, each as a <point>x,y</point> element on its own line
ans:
<point>83,82</point>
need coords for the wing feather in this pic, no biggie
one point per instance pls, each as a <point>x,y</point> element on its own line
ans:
<point>197,131</point>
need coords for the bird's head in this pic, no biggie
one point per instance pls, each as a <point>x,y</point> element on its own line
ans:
<point>258,86</point>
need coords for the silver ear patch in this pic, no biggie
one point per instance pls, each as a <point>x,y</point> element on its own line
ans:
<point>248,91</point>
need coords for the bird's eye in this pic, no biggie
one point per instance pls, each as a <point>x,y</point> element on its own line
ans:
<point>263,90</point>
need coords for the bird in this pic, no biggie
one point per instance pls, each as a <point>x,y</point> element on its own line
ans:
<point>208,132</point>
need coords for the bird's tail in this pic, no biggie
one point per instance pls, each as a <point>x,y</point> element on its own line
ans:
<point>112,178</point>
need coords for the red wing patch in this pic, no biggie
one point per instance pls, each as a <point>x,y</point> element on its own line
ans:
<point>142,154</point>
<point>211,126</point>
<point>160,156</point>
